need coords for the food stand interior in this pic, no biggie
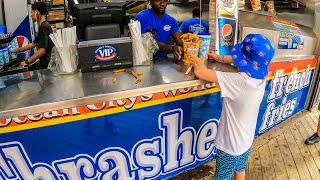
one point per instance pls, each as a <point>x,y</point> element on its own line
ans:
<point>43,91</point>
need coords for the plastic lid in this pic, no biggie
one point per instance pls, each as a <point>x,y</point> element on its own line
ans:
<point>204,34</point>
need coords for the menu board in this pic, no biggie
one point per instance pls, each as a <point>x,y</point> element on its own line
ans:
<point>227,8</point>
<point>290,36</point>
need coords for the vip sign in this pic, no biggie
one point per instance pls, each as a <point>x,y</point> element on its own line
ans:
<point>177,148</point>
<point>281,86</point>
<point>105,53</point>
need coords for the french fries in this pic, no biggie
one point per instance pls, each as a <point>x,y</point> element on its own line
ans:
<point>191,44</point>
<point>134,74</point>
<point>119,70</point>
<point>188,37</point>
<point>138,81</point>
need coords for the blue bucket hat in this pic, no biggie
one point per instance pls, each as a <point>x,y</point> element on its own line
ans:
<point>253,55</point>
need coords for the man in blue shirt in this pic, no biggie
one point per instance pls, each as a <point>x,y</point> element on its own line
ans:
<point>156,19</point>
<point>193,25</point>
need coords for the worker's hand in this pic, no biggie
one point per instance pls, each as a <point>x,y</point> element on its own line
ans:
<point>177,51</point>
<point>197,61</point>
<point>23,63</point>
<point>213,55</point>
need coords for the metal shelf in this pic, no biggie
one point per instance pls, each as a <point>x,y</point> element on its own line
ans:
<point>52,8</point>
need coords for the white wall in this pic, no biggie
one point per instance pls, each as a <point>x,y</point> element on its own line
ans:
<point>317,18</point>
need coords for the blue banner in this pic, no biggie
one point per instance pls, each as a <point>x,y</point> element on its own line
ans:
<point>152,136</point>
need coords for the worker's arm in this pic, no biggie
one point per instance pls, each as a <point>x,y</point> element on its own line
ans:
<point>165,47</point>
<point>42,41</point>
<point>25,48</point>
<point>37,55</point>
<point>176,36</point>
<point>176,50</point>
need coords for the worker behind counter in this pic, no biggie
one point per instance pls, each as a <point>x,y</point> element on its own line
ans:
<point>42,41</point>
<point>193,25</point>
<point>164,26</point>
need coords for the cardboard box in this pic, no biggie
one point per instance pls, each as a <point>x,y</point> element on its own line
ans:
<point>56,15</point>
<point>57,2</point>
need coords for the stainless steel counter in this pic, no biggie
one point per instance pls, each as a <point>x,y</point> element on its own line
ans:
<point>45,91</point>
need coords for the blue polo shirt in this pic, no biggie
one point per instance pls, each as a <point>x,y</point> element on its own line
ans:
<point>165,26</point>
<point>191,25</point>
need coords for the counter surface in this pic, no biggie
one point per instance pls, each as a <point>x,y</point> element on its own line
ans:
<point>45,91</point>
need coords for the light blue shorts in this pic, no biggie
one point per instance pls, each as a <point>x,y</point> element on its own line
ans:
<point>227,164</point>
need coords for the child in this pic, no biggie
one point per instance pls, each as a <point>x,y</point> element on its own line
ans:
<point>242,94</point>
<point>315,138</point>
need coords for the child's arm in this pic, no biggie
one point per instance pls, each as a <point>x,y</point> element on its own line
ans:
<point>202,72</point>
<point>214,56</point>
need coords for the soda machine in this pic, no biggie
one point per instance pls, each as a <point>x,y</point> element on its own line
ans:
<point>19,22</point>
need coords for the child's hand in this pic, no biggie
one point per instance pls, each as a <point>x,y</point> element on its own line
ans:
<point>213,55</point>
<point>196,60</point>
<point>16,50</point>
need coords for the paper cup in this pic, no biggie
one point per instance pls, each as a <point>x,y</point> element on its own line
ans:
<point>256,5</point>
<point>205,44</point>
<point>190,49</point>
<point>270,6</point>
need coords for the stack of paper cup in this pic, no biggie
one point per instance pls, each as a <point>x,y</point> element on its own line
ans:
<point>205,44</point>
<point>270,6</point>
<point>256,5</point>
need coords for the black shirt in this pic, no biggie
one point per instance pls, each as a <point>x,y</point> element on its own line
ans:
<point>43,41</point>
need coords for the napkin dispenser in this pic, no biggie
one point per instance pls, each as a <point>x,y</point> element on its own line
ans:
<point>105,54</point>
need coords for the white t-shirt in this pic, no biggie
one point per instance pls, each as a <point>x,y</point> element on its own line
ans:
<point>242,96</point>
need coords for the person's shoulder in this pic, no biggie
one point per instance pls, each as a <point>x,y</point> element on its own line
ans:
<point>188,21</point>
<point>254,83</point>
<point>250,78</point>
<point>196,20</point>
<point>233,77</point>
<point>48,25</point>
<point>45,26</point>
<point>205,23</point>
<point>169,17</point>
<point>144,13</point>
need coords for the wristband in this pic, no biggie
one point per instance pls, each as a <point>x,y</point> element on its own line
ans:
<point>222,59</point>
<point>27,62</point>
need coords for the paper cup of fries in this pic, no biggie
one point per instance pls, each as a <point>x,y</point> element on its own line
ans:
<point>270,6</point>
<point>191,44</point>
<point>256,5</point>
<point>190,49</point>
